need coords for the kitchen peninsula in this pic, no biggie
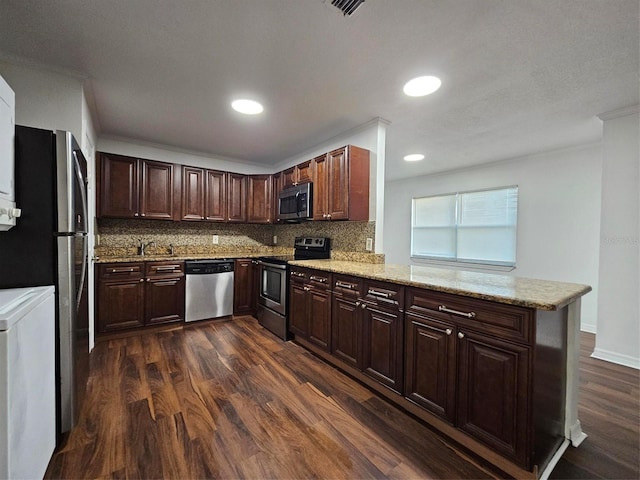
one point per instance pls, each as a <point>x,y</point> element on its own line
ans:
<point>489,360</point>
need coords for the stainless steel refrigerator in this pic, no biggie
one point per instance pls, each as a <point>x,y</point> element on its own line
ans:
<point>48,246</point>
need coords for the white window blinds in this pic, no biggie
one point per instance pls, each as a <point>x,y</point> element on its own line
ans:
<point>475,227</point>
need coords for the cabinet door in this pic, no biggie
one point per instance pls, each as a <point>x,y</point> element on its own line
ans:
<point>346,331</point>
<point>288,177</point>
<point>120,305</point>
<point>298,316</point>
<point>277,188</point>
<point>430,369</point>
<point>193,185</point>
<point>259,199</point>
<point>243,291</point>
<point>304,172</point>
<point>320,188</point>
<point>119,179</point>
<point>494,394</point>
<point>236,197</point>
<point>338,175</point>
<point>319,304</point>
<point>215,197</point>
<point>156,200</point>
<point>382,347</point>
<point>164,300</point>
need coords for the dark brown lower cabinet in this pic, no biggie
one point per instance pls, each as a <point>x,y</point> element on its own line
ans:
<point>383,356</point>
<point>132,295</point>
<point>319,304</point>
<point>430,376</point>
<point>120,304</point>
<point>494,393</point>
<point>243,287</point>
<point>298,318</point>
<point>164,300</point>
<point>310,306</point>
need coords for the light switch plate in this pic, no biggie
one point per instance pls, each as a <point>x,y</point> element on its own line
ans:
<point>216,239</point>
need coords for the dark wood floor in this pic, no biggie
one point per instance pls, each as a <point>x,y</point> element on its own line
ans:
<point>229,400</point>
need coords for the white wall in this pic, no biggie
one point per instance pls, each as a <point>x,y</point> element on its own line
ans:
<point>45,99</point>
<point>618,334</point>
<point>558,214</point>
<point>371,136</point>
<point>166,153</point>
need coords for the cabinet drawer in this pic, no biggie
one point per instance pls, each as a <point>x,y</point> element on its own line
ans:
<point>319,279</point>
<point>299,275</point>
<point>347,287</point>
<point>164,268</point>
<point>115,271</point>
<point>383,295</point>
<point>507,321</point>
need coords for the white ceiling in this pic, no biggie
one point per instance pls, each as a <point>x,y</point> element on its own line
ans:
<point>519,76</point>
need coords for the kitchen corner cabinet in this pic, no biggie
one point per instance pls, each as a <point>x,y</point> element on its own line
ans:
<point>244,291</point>
<point>259,198</point>
<point>341,185</point>
<point>137,188</point>
<point>139,294</point>
<point>310,306</point>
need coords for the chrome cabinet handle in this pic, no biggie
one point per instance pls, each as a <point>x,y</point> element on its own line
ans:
<point>358,304</point>
<point>306,289</point>
<point>121,270</point>
<point>448,331</point>
<point>135,214</point>
<point>376,293</point>
<point>364,305</point>
<point>345,285</point>
<point>167,267</point>
<point>143,214</point>
<point>318,279</point>
<point>460,335</point>
<point>142,280</point>
<point>443,308</point>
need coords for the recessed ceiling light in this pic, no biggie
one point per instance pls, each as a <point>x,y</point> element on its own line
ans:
<point>421,86</point>
<point>414,157</point>
<point>248,107</point>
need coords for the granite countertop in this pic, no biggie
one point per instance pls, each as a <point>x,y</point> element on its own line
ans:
<point>178,257</point>
<point>524,292</point>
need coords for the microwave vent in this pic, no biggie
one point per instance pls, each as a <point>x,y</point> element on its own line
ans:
<point>347,6</point>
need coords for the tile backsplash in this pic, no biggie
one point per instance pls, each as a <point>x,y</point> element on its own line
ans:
<point>124,235</point>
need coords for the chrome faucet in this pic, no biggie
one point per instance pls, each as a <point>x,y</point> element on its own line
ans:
<point>142,247</point>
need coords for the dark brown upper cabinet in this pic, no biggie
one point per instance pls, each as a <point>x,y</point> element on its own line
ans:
<point>259,199</point>
<point>137,188</point>
<point>236,197</point>
<point>341,185</point>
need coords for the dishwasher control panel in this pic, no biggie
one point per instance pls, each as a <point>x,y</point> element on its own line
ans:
<point>207,267</point>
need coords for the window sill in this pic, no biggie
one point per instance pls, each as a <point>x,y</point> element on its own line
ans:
<point>462,265</point>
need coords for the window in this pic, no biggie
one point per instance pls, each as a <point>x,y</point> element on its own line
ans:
<point>474,227</point>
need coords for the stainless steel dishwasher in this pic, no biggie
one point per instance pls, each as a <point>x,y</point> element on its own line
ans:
<point>208,289</point>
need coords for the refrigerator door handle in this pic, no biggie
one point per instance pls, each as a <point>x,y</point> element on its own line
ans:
<point>83,272</point>
<point>83,192</point>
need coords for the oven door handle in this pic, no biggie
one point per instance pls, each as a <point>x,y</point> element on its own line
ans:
<point>272,265</point>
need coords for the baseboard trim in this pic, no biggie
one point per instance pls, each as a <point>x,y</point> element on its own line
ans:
<point>624,360</point>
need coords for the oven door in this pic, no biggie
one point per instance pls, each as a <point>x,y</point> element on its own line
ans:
<point>273,286</point>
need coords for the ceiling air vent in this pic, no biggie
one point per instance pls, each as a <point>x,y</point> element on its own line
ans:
<point>347,6</point>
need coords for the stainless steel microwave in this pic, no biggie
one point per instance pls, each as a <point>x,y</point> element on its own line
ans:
<point>295,204</point>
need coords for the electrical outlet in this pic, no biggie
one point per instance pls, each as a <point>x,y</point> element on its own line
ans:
<point>216,239</point>
<point>97,240</point>
<point>275,239</point>
<point>369,245</point>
